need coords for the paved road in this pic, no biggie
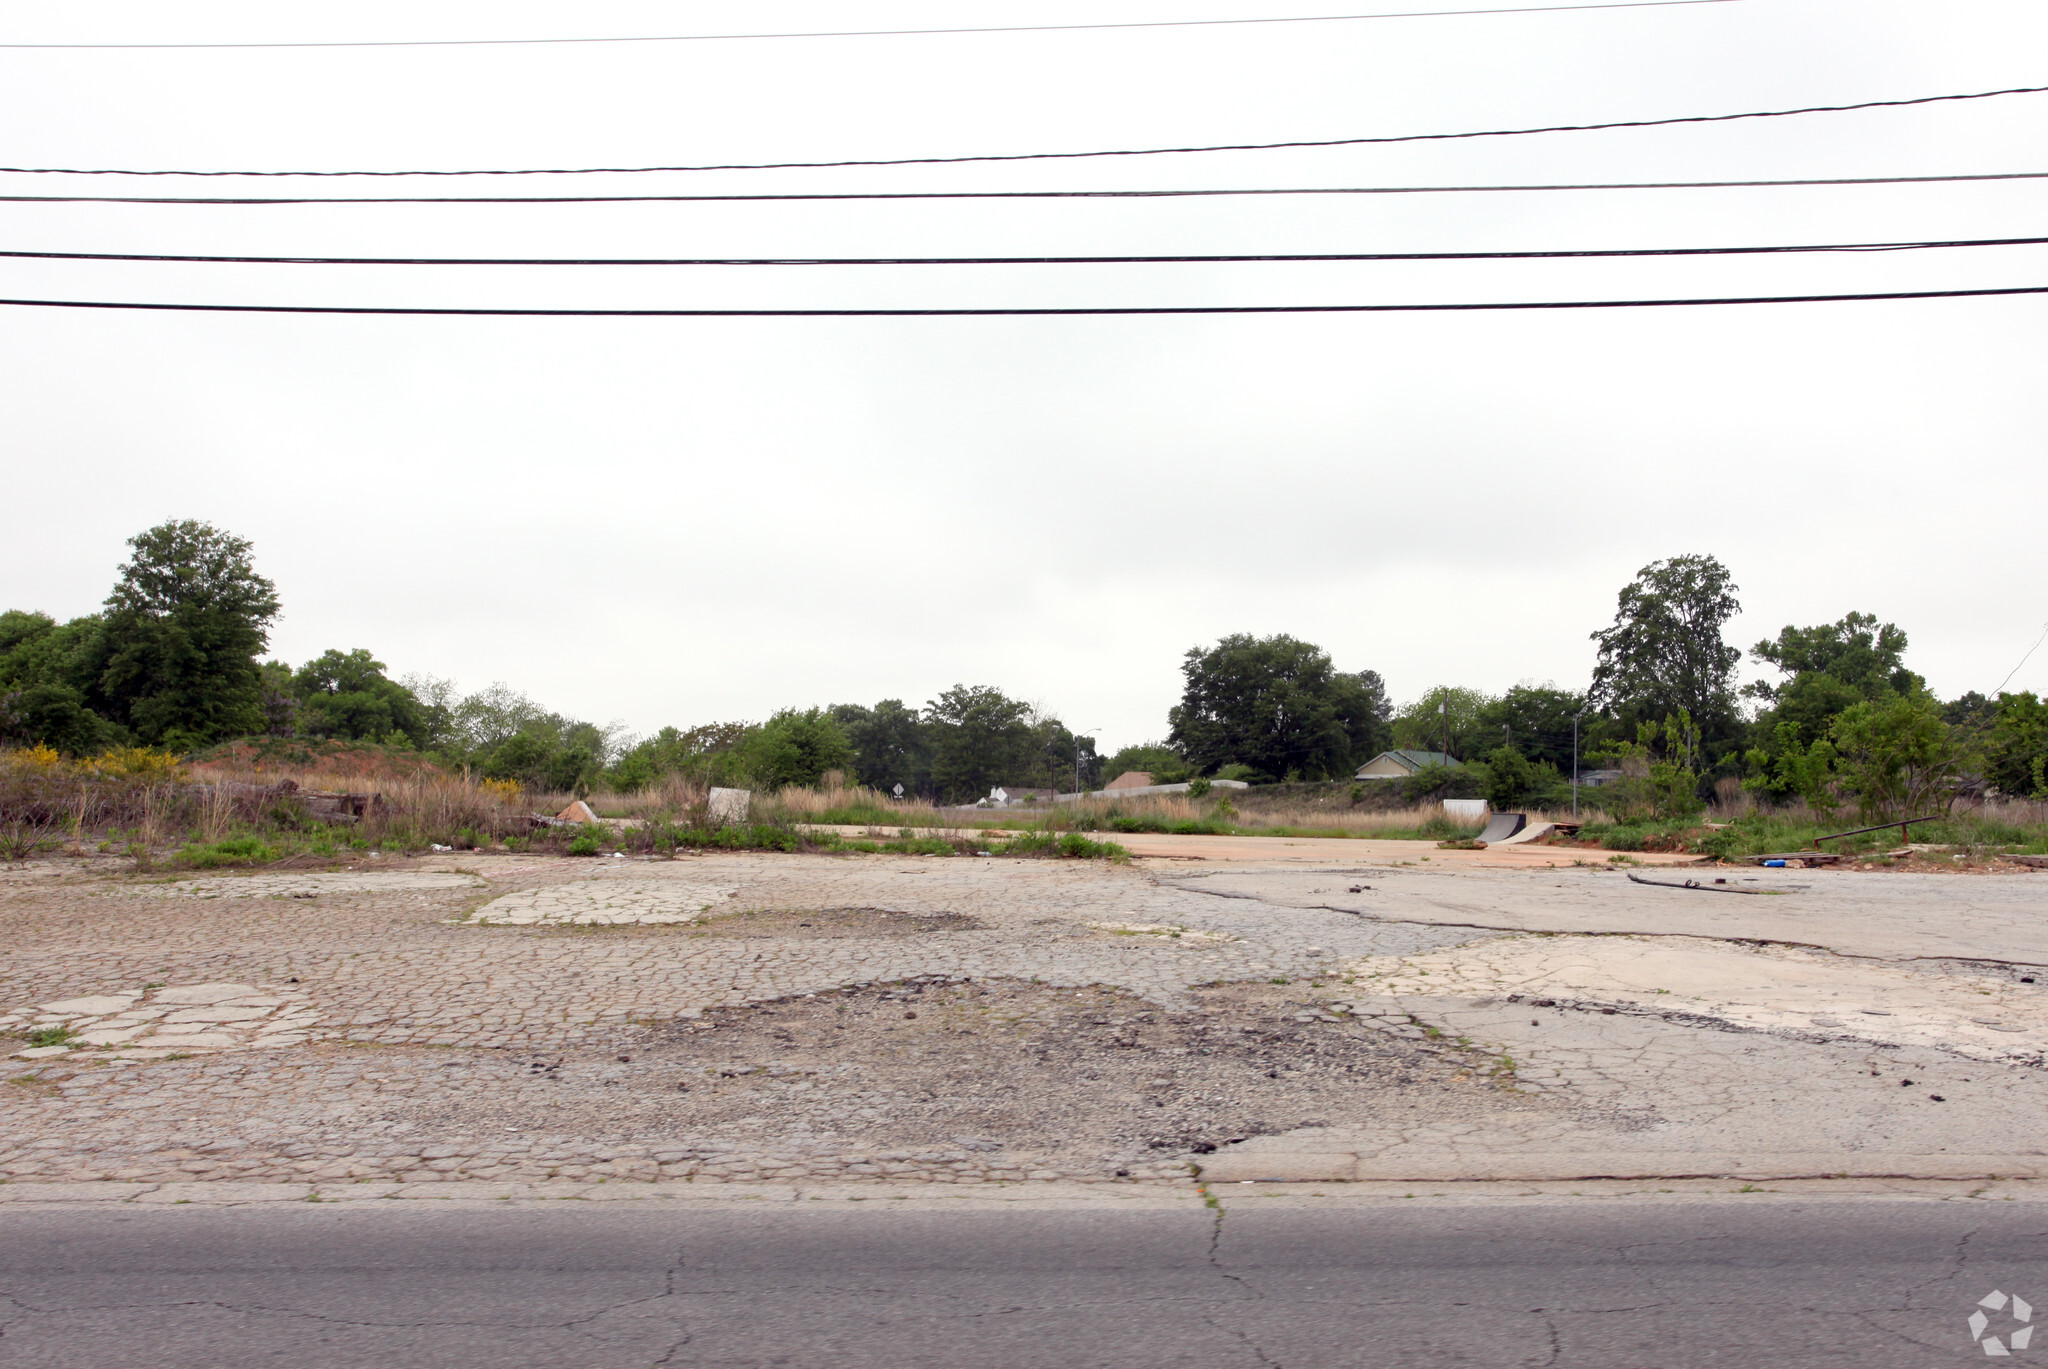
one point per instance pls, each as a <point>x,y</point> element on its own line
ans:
<point>1632,1285</point>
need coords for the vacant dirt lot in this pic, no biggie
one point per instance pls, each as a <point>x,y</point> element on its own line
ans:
<point>788,1017</point>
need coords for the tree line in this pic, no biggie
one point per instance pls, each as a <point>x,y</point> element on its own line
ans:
<point>173,660</point>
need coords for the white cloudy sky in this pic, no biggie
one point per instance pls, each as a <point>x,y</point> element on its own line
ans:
<point>677,520</point>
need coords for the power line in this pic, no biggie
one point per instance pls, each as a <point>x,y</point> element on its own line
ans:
<point>1014,194</point>
<point>2023,660</point>
<point>1190,258</point>
<point>1014,313</point>
<point>1072,156</point>
<point>864,33</point>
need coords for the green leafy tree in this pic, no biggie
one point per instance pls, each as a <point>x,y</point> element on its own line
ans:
<point>183,628</point>
<point>483,720</point>
<point>542,758</point>
<point>52,715</point>
<point>346,695</point>
<point>2016,750</point>
<point>1861,652</point>
<point>1659,773</point>
<point>890,745</point>
<point>504,735</point>
<point>797,747</point>
<point>1829,668</point>
<point>1897,757</point>
<point>1434,782</point>
<point>438,699</point>
<point>980,738</point>
<point>1509,778</point>
<point>1446,710</point>
<point>1794,770</point>
<point>710,754</point>
<point>46,673</point>
<point>1537,721</point>
<point>1665,654</point>
<point>1279,705</point>
<point>280,705</point>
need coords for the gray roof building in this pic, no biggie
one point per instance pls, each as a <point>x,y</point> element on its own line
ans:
<point>1399,765</point>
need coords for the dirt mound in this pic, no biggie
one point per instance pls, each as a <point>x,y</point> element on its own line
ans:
<point>303,759</point>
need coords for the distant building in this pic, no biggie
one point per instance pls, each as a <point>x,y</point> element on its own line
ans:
<point>1130,779</point>
<point>1399,765</point>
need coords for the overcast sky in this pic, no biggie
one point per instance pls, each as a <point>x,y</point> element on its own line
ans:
<point>681,520</point>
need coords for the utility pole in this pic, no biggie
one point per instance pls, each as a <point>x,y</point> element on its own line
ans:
<point>1443,709</point>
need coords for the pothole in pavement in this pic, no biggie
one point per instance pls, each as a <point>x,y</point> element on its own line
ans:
<point>803,923</point>
<point>995,1066</point>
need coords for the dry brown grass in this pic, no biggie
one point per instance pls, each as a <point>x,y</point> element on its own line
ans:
<point>852,805</point>
<point>164,805</point>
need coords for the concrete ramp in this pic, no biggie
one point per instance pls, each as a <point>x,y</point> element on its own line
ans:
<point>1502,826</point>
<point>1535,831</point>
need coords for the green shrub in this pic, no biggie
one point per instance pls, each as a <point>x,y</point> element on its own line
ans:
<point>1071,845</point>
<point>589,842</point>
<point>228,851</point>
<point>1179,827</point>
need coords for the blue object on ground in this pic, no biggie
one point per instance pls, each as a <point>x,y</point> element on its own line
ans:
<point>1775,864</point>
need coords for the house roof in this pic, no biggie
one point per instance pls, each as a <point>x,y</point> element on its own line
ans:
<point>1130,779</point>
<point>1417,760</point>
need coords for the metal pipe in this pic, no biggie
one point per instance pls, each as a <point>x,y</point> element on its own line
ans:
<point>1905,834</point>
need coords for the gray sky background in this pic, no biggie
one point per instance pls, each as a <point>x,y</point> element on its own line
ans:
<point>682,520</point>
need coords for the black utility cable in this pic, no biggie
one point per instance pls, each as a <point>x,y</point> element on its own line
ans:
<point>875,33</point>
<point>1019,313</point>
<point>1071,156</point>
<point>1012,194</point>
<point>1032,261</point>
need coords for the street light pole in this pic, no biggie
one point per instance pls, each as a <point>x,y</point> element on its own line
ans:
<point>1079,789</point>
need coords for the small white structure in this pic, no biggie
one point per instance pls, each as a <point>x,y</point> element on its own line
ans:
<point>1465,810</point>
<point>730,805</point>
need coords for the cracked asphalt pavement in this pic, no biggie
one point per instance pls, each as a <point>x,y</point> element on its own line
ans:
<point>806,1019</point>
<point>1264,1282</point>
